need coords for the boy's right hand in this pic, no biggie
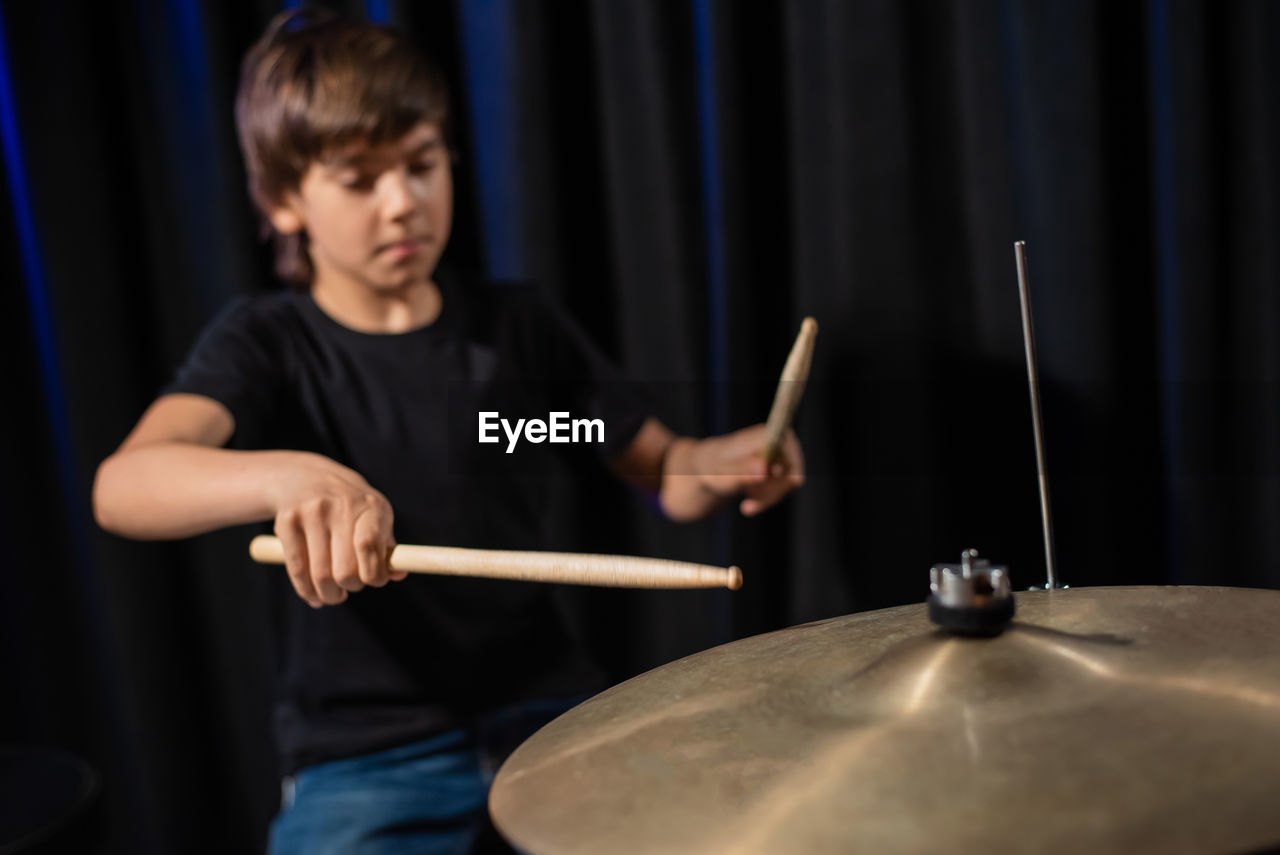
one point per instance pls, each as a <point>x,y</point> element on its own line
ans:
<point>335,528</point>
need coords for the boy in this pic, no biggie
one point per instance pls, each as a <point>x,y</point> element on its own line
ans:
<point>353,405</point>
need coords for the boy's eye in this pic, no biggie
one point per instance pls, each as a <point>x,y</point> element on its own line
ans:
<point>356,181</point>
<point>422,167</point>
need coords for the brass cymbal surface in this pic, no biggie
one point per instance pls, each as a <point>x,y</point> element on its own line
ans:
<point>1107,720</point>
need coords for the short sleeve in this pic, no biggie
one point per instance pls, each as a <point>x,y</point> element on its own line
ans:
<point>236,362</point>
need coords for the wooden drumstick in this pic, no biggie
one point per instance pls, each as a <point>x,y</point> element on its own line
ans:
<point>790,388</point>
<point>615,571</point>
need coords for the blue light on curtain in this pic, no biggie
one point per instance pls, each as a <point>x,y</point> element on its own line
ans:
<point>378,11</point>
<point>713,213</point>
<point>488,46</point>
<point>34,276</point>
<point>177,62</point>
<point>190,32</point>
<point>708,149</point>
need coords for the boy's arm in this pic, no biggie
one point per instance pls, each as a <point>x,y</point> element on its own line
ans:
<point>171,478</point>
<point>694,477</point>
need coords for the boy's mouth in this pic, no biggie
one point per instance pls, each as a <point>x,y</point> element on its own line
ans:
<point>404,248</point>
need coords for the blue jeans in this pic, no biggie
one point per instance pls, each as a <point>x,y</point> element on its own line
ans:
<point>420,799</point>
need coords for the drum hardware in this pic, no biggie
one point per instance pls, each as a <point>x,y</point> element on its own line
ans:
<point>970,598</point>
<point>1033,380</point>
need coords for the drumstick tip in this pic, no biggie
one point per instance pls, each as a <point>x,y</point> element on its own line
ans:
<point>735,578</point>
<point>809,326</point>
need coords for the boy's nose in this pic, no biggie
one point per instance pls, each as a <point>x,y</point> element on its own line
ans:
<point>398,199</point>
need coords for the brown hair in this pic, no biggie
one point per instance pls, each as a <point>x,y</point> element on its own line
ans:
<point>314,84</point>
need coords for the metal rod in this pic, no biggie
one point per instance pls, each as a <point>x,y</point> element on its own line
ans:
<point>1028,338</point>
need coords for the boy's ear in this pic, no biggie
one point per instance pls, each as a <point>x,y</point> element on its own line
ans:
<point>285,218</point>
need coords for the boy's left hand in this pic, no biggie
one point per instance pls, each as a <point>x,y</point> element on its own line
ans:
<point>733,464</point>
<point>694,477</point>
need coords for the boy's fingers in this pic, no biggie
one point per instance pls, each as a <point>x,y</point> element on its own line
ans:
<point>372,569</point>
<point>766,495</point>
<point>321,568</point>
<point>762,502</point>
<point>372,573</point>
<point>388,541</point>
<point>342,555</point>
<point>295,563</point>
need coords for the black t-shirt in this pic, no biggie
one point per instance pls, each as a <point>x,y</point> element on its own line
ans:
<point>400,663</point>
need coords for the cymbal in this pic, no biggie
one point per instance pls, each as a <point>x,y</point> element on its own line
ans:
<point>1108,720</point>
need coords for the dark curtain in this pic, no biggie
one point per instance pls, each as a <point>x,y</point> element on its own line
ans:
<point>691,178</point>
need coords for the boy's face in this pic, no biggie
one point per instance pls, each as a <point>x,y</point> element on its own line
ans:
<point>376,218</point>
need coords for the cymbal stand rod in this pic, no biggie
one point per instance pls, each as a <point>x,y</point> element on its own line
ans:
<point>1028,338</point>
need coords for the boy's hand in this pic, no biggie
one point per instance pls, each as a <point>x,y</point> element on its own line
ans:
<point>734,464</point>
<point>698,476</point>
<point>335,528</point>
